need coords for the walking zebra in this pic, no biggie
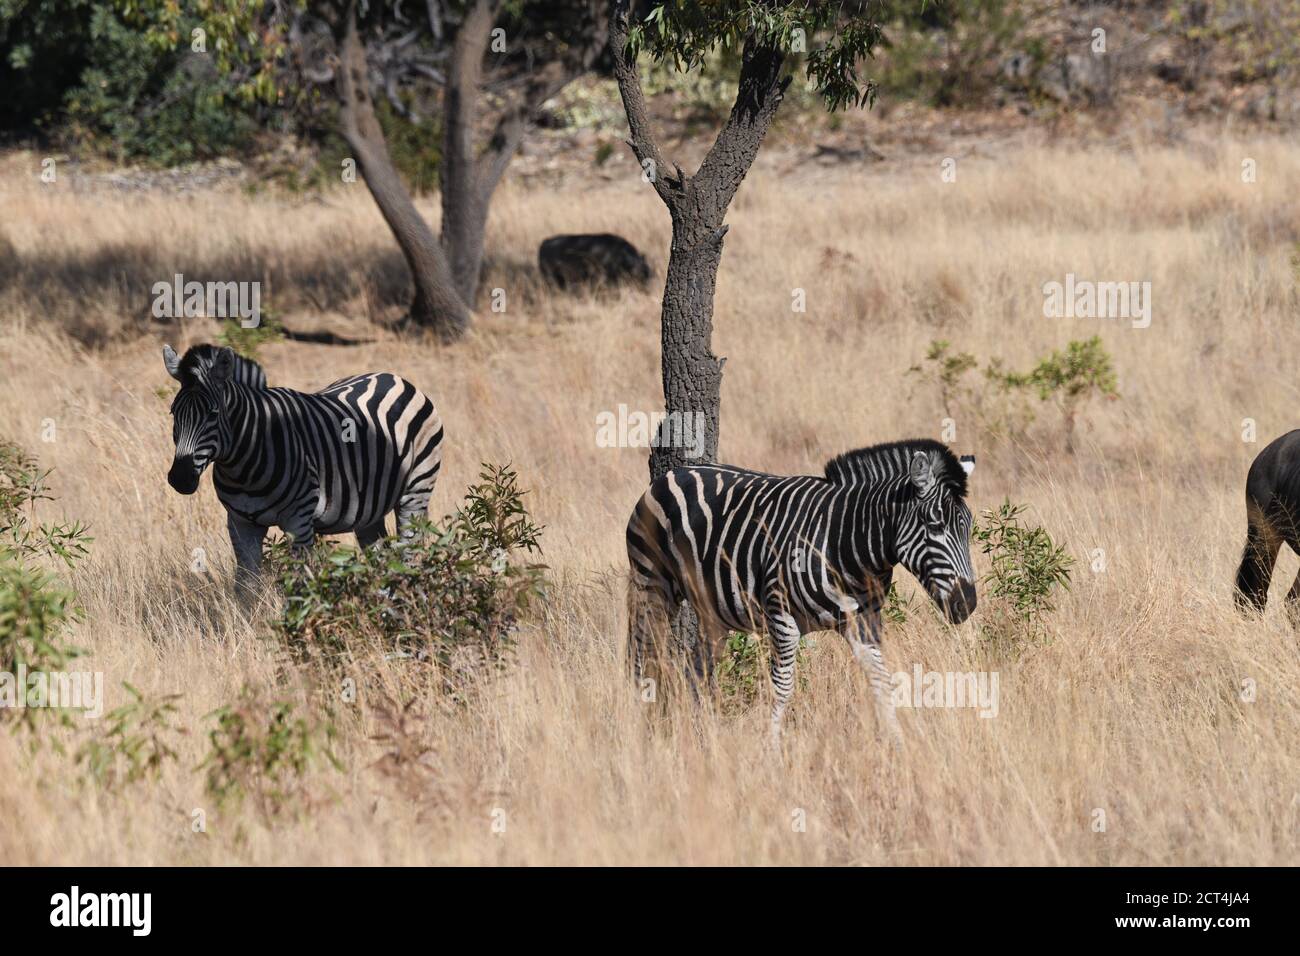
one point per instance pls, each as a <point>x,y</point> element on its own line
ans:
<point>1272,510</point>
<point>756,552</point>
<point>328,462</point>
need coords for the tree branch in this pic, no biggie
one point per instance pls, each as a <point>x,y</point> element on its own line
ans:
<point>758,96</point>
<point>642,138</point>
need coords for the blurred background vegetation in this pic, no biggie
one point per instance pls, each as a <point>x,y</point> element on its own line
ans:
<point>88,78</point>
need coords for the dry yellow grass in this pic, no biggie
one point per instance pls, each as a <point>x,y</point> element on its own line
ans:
<point>1134,708</point>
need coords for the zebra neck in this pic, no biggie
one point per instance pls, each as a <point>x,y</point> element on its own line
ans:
<point>872,515</point>
<point>247,429</point>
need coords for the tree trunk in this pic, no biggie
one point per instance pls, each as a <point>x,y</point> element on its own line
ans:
<point>436,304</point>
<point>464,207</point>
<point>692,375</point>
<point>469,175</point>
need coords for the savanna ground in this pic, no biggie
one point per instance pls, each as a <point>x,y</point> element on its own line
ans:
<point>1134,707</point>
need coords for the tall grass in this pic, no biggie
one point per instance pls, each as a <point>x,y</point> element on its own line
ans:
<point>1134,708</point>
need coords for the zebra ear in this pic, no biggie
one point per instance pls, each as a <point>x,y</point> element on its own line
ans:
<point>223,366</point>
<point>922,472</point>
<point>172,361</point>
<point>968,463</point>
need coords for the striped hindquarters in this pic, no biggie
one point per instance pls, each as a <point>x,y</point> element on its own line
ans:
<point>725,539</point>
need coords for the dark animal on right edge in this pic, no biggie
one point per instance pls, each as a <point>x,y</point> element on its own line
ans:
<point>591,260</point>
<point>1272,506</point>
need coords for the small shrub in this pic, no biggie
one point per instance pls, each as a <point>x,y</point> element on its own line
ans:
<point>453,595</point>
<point>1027,567</point>
<point>135,741</point>
<point>995,404</point>
<point>1070,379</point>
<point>248,342</point>
<point>33,613</point>
<point>34,607</point>
<point>945,370</point>
<point>22,484</point>
<point>262,749</point>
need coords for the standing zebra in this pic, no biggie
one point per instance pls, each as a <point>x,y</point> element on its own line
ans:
<point>756,552</point>
<point>1272,510</point>
<point>328,462</point>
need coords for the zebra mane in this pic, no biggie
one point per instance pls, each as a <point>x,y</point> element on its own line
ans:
<point>893,459</point>
<point>199,359</point>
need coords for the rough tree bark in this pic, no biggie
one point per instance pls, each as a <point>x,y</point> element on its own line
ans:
<point>470,176</point>
<point>692,374</point>
<point>437,304</point>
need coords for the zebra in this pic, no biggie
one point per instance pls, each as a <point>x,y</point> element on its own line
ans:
<point>787,555</point>
<point>326,462</point>
<point>1272,510</point>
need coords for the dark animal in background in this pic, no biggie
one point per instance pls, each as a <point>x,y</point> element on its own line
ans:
<point>591,260</point>
<point>1272,507</point>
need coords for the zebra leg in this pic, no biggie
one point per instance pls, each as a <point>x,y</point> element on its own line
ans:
<point>414,506</point>
<point>863,632</point>
<point>300,528</point>
<point>246,539</point>
<point>784,633</point>
<point>647,620</point>
<point>371,533</point>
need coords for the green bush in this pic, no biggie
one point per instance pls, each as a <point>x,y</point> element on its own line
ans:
<point>261,748</point>
<point>136,99</point>
<point>452,595</point>
<point>1027,568</point>
<point>22,484</point>
<point>134,743</point>
<point>1069,380</point>
<point>34,607</point>
<point>248,342</point>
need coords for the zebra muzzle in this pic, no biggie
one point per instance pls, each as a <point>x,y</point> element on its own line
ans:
<point>183,476</point>
<point>961,602</point>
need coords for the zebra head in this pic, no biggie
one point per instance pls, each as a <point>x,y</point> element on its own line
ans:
<point>934,531</point>
<point>199,425</point>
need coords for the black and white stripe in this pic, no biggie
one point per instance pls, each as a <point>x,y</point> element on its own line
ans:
<point>789,555</point>
<point>329,462</point>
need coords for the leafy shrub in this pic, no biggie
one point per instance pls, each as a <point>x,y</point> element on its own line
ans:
<point>945,370</point>
<point>1027,567</point>
<point>452,595</point>
<point>34,607</point>
<point>22,484</point>
<point>896,607</point>
<point>134,743</point>
<point>248,342</point>
<point>1070,379</point>
<point>262,749</point>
